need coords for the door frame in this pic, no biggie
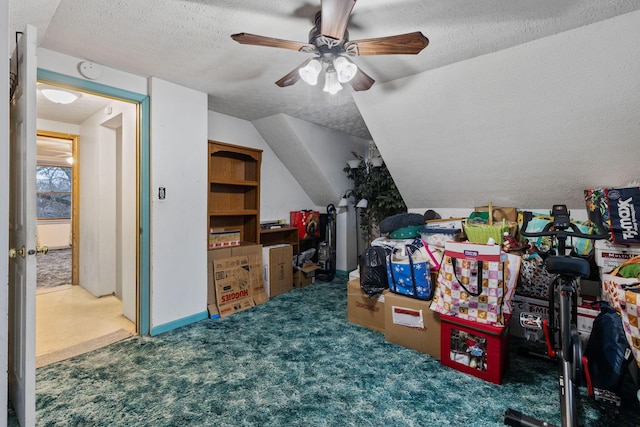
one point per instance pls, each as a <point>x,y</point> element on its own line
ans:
<point>75,199</point>
<point>144,174</point>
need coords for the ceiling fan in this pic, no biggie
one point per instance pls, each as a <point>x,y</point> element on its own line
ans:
<point>329,42</point>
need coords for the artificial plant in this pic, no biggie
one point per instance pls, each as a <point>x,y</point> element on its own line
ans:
<point>377,186</point>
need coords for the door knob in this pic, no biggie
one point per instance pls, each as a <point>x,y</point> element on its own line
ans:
<point>41,250</point>
<point>13,252</point>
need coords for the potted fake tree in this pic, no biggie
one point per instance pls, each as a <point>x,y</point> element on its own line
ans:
<point>374,185</point>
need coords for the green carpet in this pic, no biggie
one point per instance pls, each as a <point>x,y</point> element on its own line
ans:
<point>294,361</point>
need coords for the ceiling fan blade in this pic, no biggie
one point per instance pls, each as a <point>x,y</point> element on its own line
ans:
<point>361,81</point>
<point>252,39</point>
<point>402,44</point>
<point>335,17</point>
<point>293,76</point>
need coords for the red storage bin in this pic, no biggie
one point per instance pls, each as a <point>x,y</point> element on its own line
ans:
<point>307,222</point>
<point>474,348</point>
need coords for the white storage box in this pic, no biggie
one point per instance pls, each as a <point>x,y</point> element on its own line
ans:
<point>609,255</point>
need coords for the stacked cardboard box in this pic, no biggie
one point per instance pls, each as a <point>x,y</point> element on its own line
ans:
<point>305,275</point>
<point>411,323</point>
<point>364,310</point>
<point>277,269</point>
<point>227,269</point>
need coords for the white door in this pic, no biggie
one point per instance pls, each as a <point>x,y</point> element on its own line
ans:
<point>22,232</point>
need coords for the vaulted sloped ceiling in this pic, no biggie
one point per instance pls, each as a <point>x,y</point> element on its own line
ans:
<point>312,154</point>
<point>529,126</point>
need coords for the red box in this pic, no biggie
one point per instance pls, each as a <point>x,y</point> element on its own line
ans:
<point>474,348</point>
<point>307,222</point>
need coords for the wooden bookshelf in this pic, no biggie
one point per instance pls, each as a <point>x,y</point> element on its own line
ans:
<point>234,190</point>
<point>277,236</point>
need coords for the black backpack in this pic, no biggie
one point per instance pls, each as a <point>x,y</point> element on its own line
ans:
<point>373,270</point>
<point>607,356</point>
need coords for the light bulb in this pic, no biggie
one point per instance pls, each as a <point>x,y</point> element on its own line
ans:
<point>331,83</point>
<point>309,73</point>
<point>346,69</point>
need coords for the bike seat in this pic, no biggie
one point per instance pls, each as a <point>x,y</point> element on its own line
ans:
<point>573,266</point>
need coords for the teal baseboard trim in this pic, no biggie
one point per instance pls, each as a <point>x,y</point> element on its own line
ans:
<point>161,329</point>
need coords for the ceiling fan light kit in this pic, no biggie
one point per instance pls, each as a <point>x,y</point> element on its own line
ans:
<point>329,41</point>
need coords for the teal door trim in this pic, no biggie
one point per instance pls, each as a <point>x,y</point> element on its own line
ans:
<point>144,174</point>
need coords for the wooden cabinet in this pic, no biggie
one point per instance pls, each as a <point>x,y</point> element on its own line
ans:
<point>277,236</point>
<point>234,190</point>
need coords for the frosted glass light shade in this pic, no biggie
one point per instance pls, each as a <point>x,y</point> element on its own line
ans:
<point>343,203</point>
<point>331,83</point>
<point>376,162</point>
<point>363,203</point>
<point>353,164</point>
<point>346,69</point>
<point>59,96</point>
<point>309,73</point>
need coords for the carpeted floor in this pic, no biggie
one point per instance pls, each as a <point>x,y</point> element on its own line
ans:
<point>294,361</point>
<point>53,268</point>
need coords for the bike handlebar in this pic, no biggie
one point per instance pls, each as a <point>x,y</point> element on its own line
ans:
<point>546,231</point>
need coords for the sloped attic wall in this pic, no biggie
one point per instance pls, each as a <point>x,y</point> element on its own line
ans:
<point>529,126</point>
<point>314,155</point>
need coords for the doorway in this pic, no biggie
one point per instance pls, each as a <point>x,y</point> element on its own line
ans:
<point>93,141</point>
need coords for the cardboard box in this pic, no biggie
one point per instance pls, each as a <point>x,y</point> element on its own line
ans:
<point>305,275</point>
<point>363,310</point>
<point>586,316</point>
<point>232,280</point>
<point>411,323</point>
<point>474,348</point>
<point>254,254</point>
<point>220,239</point>
<point>277,269</point>
<point>609,255</point>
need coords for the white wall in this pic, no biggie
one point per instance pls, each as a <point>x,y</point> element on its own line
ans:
<point>59,127</point>
<point>54,234</point>
<point>178,223</point>
<point>68,65</point>
<point>100,249</point>
<point>528,126</point>
<point>4,201</point>
<point>280,193</point>
<point>330,150</point>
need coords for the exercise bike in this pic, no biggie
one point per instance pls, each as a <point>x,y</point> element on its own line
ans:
<point>561,335</point>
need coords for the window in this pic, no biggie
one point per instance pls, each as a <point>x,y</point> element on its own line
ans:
<point>53,192</point>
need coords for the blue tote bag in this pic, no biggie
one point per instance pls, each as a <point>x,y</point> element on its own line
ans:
<point>409,273</point>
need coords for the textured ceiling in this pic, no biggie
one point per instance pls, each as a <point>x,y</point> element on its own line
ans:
<point>187,42</point>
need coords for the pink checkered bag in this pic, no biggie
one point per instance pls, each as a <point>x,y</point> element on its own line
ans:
<point>471,283</point>
<point>629,302</point>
